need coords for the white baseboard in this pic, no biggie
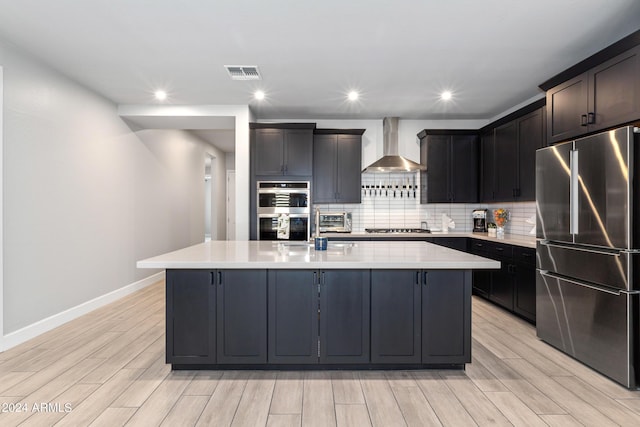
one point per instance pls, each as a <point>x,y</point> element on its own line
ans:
<point>28,332</point>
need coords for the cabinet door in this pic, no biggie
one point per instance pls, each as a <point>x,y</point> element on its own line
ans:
<point>395,316</point>
<point>293,316</point>
<point>614,95</point>
<point>269,146</point>
<point>502,285</point>
<point>446,328</point>
<point>324,168</point>
<point>566,109</point>
<point>487,167</point>
<point>524,272</point>
<point>525,291</point>
<point>344,316</point>
<point>530,138</point>
<point>191,317</point>
<point>438,161</point>
<point>349,164</point>
<point>506,146</point>
<point>242,316</point>
<point>298,152</point>
<point>463,172</point>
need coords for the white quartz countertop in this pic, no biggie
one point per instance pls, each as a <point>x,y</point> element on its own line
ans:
<point>510,239</point>
<point>339,255</point>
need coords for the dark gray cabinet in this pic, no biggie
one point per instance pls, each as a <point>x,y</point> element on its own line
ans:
<point>487,165</point>
<point>395,316</point>
<point>283,150</point>
<point>411,324</point>
<point>457,243</point>
<point>293,316</point>
<point>241,316</point>
<point>524,272</point>
<point>605,96</point>
<point>190,317</point>
<point>337,160</point>
<point>318,316</point>
<point>446,328</point>
<point>513,286</point>
<point>344,316</point>
<point>508,158</point>
<point>451,158</point>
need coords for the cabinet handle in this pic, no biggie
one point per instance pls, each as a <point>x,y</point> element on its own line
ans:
<point>499,249</point>
<point>583,120</point>
<point>527,255</point>
<point>417,278</point>
<point>424,278</point>
<point>213,279</point>
<point>219,277</point>
<point>591,118</point>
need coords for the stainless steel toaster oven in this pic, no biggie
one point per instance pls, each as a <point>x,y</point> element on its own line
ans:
<point>335,222</point>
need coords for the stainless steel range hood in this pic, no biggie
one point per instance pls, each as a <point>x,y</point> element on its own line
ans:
<point>391,161</point>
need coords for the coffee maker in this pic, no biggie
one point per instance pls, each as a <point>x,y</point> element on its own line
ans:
<point>479,220</point>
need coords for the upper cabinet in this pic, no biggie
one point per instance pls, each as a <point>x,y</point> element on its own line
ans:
<point>508,158</point>
<point>604,96</point>
<point>451,158</point>
<point>337,160</point>
<point>282,149</point>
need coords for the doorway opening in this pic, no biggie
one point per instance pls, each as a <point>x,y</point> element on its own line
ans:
<point>209,229</point>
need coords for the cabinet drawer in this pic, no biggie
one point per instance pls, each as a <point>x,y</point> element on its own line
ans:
<point>524,255</point>
<point>500,250</point>
<point>478,247</point>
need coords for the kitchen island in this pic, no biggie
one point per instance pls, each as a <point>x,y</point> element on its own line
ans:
<point>284,305</point>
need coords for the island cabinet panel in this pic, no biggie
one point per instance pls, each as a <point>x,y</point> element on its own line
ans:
<point>344,316</point>
<point>293,316</point>
<point>395,316</point>
<point>191,320</point>
<point>241,316</point>
<point>446,327</point>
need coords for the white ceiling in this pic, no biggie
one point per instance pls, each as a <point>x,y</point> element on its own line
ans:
<point>400,54</point>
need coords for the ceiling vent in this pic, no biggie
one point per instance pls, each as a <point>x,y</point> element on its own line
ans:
<point>243,72</point>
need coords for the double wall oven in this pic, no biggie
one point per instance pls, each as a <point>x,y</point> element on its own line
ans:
<point>283,210</point>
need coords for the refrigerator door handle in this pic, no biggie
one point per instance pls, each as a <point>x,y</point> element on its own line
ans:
<point>573,193</point>
<point>610,252</point>
<point>579,283</point>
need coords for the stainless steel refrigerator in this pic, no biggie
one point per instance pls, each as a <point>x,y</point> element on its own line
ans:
<point>588,229</point>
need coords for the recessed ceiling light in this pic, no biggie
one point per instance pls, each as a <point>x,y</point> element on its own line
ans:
<point>446,95</point>
<point>259,95</point>
<point>353,95</point>
<point>160,95</point>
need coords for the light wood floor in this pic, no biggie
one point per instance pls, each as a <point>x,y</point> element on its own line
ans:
<point>109,367</point>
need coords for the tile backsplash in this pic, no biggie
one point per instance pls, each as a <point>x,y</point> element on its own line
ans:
<point>381,209</point>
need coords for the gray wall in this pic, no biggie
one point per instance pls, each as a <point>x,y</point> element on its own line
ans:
<point>85,197</point>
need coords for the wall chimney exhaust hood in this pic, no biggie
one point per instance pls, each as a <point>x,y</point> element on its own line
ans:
<point>391,161</point>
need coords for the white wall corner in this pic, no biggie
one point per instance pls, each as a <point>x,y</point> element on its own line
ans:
<point>45,325</point>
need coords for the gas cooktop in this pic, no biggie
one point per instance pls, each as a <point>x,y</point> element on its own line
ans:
<point>396,230</point>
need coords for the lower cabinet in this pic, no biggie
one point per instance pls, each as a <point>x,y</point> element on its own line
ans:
<point>318,316</point>
<point>446,317</point>
<point>395,316</point>
<point>411,324</point>
<point>344,316</point>
<point>293,316</point>
<point>190,317</point>
<point>458,243</point>
<point>241,308</point>
<point>288,317</point>
<point>524,271</point>
<point>513,286</point>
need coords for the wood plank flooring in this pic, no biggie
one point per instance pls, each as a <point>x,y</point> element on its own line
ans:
<point>108,369</point>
